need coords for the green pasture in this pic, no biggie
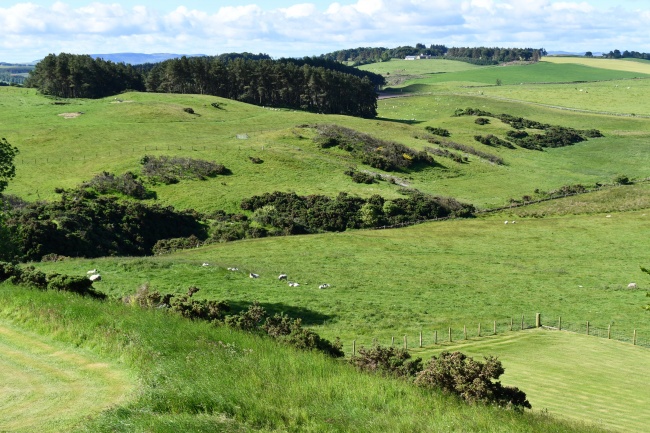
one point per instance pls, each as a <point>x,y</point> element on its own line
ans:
<point>50,387</point>
<point>418,67</point>
<point>387,283</point>
<point>569,375</point>
<point>113,136</point>
<point>192,376</point>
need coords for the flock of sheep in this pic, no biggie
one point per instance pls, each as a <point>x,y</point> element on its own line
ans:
<point>281,277</point>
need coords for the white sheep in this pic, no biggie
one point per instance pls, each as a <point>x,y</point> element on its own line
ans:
<point>95,277</point>
<point>252,275</point>
<point>291,284</point>
<point>282,277</point>
<point>632,286</point>
<point>91,272</point>
<point>205,264</point>
<point>323,286</point>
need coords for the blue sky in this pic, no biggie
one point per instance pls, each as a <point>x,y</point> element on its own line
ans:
<point>32,29</point>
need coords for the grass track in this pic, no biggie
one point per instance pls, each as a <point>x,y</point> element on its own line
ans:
<point>49,387</point>
<point>572,375</point>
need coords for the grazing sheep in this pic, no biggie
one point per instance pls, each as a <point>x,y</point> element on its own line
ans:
<point>205,264</point>
<point>233,269</point>
<point>514,222</point>
<point>323,286</point>
<point>252,275</point>
<point>91,272</point>
<point>95,277</point>
<point>632,286</point>
<point>282,277</point>
<point>608,216</point>
<point>505,222</point>
<point>291,284</point>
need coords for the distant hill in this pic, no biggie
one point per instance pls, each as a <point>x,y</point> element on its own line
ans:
<point>568,53</point>
<point>140,58</point>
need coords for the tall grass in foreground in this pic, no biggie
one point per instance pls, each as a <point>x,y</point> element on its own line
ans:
<point>197,377</point>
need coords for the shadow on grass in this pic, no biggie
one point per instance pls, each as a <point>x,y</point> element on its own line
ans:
<point>309,317</point>
<point>405,121</point>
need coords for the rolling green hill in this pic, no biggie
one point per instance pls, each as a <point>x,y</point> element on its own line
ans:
<point>572,257</point>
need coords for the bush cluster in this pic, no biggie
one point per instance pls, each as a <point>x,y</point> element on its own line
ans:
<point>380,154</point>
<point>482,121</point>
<point>438,131</point>
<point>283,329</point>
<point>29,275</point>
<point>493,140</point>
<point>452,372</point>
<point>361,176</point>
<point>170,170</point>
<point>294,214</point>
<point>165,246</point>
<point>553,136</point>
<point>81,224</point>
<point>127,184</point>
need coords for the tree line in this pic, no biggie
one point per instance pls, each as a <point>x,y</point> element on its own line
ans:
<point>617,54</point>
<point>365,55</point>
<point>310,84</point>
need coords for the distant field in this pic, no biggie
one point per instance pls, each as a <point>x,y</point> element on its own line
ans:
<point>629,65</point>
<point>418,67</point>
<point>583,378</point>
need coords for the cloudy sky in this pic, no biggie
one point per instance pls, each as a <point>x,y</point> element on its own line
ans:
<point>33,29</point>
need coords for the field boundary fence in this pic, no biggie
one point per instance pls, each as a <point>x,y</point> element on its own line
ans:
<point>483,329</point>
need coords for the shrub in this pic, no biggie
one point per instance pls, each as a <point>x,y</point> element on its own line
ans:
<point>471,380</point>
<point>360,176</point>
<point>248,320</point>
<point>188,110</point>
<point>622,179</point>
<point>438,131</point>
<point>389,360</point>
<point>493,140</point>
<point>255,160</point>
<point>170,170</point>
<point>165,246</point>
<point>127,184</point>
<point>482,121</point>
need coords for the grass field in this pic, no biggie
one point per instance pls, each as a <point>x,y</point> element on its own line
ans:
<point>583,377</point>
<point>50,387</point>
<point>629,65</point>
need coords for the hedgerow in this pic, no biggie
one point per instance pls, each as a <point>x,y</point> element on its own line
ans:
<point>127,184</point>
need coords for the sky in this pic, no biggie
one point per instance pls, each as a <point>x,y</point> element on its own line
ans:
<point>291,28</point>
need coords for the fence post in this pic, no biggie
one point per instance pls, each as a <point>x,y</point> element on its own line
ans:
<point>511,323</point>
<point>435,337</point>
<point>634,338</point>
<point>494,328</point>
<point>587,327</point>
<point>479,329</point>
<point>522,322</point>
<point>392,341</point>
<point>465,331</point>
<point>405,344</point>
<point>609,331</point>
<point>420,339</point>
<point>450,335</point>
<point>538,320</point>
<point>559,323</point>
<point>354,347</point>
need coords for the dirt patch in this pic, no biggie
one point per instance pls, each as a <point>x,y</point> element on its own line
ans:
<point>71,115</point>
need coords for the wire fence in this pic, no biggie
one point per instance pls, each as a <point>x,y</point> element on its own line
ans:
<point>444,336</point>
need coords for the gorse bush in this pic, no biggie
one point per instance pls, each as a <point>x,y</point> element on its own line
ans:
<point>169,170</point>
<point>380,154</point>
<point>471,380</point>
<point>81,224</point>
<point>389,360</point>
<point>127,184</point>
<point>493,140</point>
<point>361,177</point>
<point>438,131</point>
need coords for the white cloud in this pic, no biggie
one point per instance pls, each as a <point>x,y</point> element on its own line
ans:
<point>306,28</point>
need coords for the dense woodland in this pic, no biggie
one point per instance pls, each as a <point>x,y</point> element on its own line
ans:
<point>314,85</point>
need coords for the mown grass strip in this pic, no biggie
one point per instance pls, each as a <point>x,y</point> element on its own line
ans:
<point>571,375</point>
<point>49,387</point>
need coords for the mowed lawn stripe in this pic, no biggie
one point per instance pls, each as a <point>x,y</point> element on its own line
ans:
<point>49,388</point>
<point>574,376</point>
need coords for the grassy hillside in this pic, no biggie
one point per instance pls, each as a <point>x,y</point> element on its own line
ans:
<point>196,377</point>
